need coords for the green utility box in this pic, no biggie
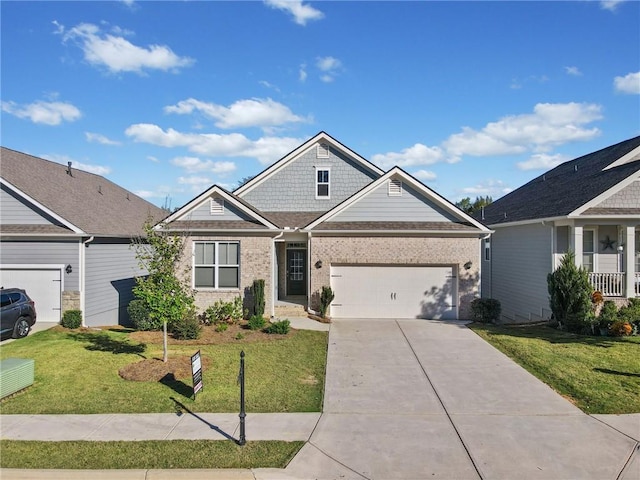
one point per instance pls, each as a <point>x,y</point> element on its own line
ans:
<point>15,374</point>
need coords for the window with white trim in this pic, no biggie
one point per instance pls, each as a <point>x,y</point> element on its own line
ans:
<point>322,183</point>
<point>216,265</point>
<point>588,249</point>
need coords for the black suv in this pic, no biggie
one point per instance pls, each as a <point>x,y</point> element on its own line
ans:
<point>17,313</point>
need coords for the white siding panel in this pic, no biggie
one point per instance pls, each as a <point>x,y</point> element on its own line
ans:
<point>111,269</point>
<point>13,211</point>
<point>521,259</point>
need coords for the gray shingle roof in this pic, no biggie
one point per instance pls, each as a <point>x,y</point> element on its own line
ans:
<point>563,189</point>
<point>88,201</point>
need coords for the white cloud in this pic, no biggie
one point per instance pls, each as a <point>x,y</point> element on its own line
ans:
<point>98,138</point>
<point>302,13</point>
<point>265,150</point>
<point>425,175</point>
<point>543,161</point>
<point>550,125</point>
<point>493,188</point>
<point>302,72</point>
<point>196,184</point>
<point>194,164</point>
<point>64,160</point>
<point>48,113</point>
<point>152,158</point>
<point>418,154</point>
<point>119,55</point>
<point>330,68</point>
<point>254,112</point>
<point>630,83</point>
<point>610,5</point>
<point>575,71</point>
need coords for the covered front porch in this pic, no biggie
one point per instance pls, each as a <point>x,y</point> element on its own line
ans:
<point>609,250</point>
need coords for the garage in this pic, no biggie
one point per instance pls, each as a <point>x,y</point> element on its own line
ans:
<point>42,284</point>
<point>394,291</point>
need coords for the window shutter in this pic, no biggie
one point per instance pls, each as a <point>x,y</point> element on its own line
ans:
<point>395,188</point>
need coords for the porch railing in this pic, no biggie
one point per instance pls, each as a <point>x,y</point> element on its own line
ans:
<point>637,284</point>
<point>610,284</point>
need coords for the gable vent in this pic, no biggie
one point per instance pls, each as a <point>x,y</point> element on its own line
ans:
<point>322,150</point>
<point>395,188</point>
<point>217,206</point>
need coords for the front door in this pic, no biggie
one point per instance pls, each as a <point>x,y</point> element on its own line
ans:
<point>296,272</point>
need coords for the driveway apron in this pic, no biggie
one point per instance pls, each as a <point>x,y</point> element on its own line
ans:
<point>414,399</point>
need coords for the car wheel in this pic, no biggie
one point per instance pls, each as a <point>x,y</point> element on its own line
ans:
<point>22,328</point>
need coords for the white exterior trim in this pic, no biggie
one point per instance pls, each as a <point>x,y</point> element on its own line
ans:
<point>606,194</point>
<point>627,158</point>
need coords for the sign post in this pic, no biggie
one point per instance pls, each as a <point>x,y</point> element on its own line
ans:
<point>196,372</point>
<point>242,415</point>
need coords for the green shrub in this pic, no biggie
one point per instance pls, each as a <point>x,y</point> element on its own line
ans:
<point>188,328</point>
<point>608,314</point>
<point>570,294</point>
<point>326,297</point>
<point>223,312</point>
<point>280,327</point>
<point>631,313</point>
<point>239,336</point>
<point>256,322</point>
<point>139,316</point>
<point>486,310</point>
<point>257,290</point>
<point>72,319</point>
<point>620,328</point>
<point>222,327</point>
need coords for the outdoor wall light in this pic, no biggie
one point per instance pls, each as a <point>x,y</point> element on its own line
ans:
<point>467,265</point>
<point>69,269</point>
<point>319,264</point>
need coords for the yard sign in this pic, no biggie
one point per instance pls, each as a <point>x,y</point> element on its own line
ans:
<point>196,371</point>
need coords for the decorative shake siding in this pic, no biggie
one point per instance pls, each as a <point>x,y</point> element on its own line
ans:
<point>386,250</point>
<point>294,187</point>
<point>628,197</point>
<point>255,263</point>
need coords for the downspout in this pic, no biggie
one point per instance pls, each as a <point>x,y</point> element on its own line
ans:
<point>309,270</point>
<point>274,274</point>
<point>84,245</point>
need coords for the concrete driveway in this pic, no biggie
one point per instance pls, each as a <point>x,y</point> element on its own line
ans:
<point>416,399</point>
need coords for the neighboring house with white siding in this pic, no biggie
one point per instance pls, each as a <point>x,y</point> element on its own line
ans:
<point>591,206</point>
<point>65,237</point>
<point>323,215</point>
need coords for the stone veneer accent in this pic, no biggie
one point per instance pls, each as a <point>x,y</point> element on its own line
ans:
<point>70,300</point>
<point>367,250</point>
<point>255,263</point>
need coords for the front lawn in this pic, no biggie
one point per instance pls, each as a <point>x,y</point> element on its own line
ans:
<point>77,372</point>
<point>599,374</point>
<point>146,454</point>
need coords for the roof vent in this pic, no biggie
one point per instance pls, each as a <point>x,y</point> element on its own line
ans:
<point>505,214</point>
<point>575,167</point>
<point>69,172</point>
<point>100,189</point>
<point>482,212</point>
<point>544,178</point>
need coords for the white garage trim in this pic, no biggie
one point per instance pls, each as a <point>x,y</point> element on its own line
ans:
<point>395,291</point>
<point>48,298</point>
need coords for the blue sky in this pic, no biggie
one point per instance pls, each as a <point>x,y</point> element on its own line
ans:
<point>168,98</point>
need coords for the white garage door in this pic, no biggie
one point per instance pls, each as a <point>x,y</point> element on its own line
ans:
<point>42,285</point>
<point>394,292</point>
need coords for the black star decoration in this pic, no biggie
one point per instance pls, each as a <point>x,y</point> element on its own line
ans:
<point>607,243</point>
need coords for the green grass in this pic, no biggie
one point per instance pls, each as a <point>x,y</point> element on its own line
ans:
<point>599,374</point>
<point>146,454</point>
<point>77,372</point>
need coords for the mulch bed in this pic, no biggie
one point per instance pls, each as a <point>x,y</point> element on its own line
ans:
<point>155,370</point>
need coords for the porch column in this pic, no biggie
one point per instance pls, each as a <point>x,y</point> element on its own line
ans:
<point>629,260</point>
<point>577,244</point>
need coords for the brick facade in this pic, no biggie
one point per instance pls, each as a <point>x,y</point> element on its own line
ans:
<point>398,251</point>
<point>255,263</point>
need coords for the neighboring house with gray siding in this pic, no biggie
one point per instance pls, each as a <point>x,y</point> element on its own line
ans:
<point>324,216</point>
<point>65,237</point>
<point>591,206</point>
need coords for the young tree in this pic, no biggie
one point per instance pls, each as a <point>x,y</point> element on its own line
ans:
<point>166,298</point>
<point>471,207</point>
<point>570,294</point>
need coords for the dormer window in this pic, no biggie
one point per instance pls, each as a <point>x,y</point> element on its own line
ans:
<point>217,206</point>
<point>322,150</point>
<point>322,182</point>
